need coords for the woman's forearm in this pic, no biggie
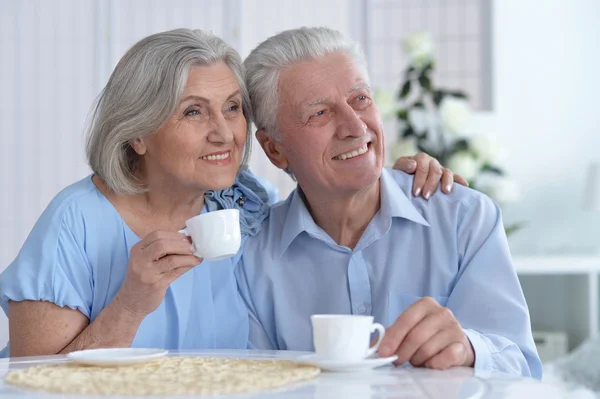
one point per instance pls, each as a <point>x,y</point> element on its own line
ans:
<point>115,327</point>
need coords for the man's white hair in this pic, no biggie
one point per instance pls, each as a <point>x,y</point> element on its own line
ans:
<point>265,63</point>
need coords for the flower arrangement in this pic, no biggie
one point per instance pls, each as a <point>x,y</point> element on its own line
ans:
<point>439,122</point>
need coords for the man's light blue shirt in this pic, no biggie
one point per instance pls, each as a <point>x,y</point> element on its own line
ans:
<point>452,248</point>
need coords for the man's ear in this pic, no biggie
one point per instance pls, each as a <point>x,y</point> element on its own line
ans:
<point>138,146</point>
<point>272,148</point>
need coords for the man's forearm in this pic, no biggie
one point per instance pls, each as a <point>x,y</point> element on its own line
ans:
<point>114,327</point>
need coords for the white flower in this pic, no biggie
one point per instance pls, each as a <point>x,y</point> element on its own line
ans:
<point>403,148</point>
<point>420,119</point>
<point>384,100</point>
<point>418,47</point>
<point>487,148</point>
<point>501,189</point>
<point>465,164</point>
<point>455,115</point>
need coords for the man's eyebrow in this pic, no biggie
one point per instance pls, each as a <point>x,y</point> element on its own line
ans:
<point>317,102</point>
<point>358,87</point>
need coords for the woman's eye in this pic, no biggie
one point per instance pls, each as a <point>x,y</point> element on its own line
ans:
<point>233,108</point>
<point>192,112</point>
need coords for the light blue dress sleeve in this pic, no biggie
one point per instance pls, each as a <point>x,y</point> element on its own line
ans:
<point>488,299</point>
<point>52,265</point>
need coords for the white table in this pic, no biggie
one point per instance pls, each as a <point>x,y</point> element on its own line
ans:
<point>385,382</point>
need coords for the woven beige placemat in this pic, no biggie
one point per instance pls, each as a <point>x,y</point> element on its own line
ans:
<point>165,376</point>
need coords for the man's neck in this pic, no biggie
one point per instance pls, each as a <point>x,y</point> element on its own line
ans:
<point>344,217</point>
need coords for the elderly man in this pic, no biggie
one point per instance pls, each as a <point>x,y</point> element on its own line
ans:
<point>351,239</point>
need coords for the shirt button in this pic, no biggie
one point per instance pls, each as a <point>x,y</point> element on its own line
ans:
<point>361,308</point>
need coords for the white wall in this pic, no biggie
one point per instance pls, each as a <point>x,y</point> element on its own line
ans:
<point>546,86</point>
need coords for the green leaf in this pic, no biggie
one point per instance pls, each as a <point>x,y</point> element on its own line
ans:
<point>428,68</point>
<point>459,94</point>
<point>460,145</point>
<point>402,114</point>
<point>408,132</point>
<point>492,169</point>
<point>405,89</point>
<point>513,228</point>
<point>438,96</point>
<point>425,82</point>
<point>408,72</point>
<point>419,104</point>
<point>424,149</point>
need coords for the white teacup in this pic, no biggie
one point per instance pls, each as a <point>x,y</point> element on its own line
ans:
<point>345,337</point>
<point>216,235</point>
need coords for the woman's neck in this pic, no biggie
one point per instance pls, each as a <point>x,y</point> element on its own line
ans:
<point>161,207</point>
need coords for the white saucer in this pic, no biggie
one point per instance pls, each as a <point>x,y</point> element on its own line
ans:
<point>115,356</point>
<point>337,365</point>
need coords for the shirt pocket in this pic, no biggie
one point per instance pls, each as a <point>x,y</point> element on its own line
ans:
<point>398,303</point>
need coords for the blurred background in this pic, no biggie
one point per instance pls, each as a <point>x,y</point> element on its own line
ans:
<point>504,92</point>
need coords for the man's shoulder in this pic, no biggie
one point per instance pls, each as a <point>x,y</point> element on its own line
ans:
<point>273,224</point>
<point>460,195</point>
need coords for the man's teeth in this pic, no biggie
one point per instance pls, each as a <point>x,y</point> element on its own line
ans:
<point>216,157</point>
<point>352,154</point>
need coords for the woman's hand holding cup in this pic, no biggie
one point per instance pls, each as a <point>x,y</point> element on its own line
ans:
<point>155,262</point>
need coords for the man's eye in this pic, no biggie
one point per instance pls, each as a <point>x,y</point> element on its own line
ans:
<point>319,113</point>
<point>362,97</point>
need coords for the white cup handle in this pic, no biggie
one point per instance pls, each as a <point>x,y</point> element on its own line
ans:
<point>381,330</point>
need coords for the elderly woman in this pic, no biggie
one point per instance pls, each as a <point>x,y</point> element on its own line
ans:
<point>105,266</point>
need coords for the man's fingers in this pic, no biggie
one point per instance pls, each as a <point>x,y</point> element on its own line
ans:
<point>395,334</point>
<point>434,345</point>
<point>424,331</point>
<point>454,354</point>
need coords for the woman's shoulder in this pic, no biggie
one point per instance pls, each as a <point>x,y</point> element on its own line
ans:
<point>74,204</point>
<point>247,195</point>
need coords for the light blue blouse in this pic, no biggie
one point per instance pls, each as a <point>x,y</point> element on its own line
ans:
<point>77,255</point>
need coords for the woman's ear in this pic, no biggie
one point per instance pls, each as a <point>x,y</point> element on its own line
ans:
<point>138,146</point>
<point>272,148</point>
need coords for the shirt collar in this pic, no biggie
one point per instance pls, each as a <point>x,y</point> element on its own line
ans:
<point>394,203</point>
<point>297,220</point>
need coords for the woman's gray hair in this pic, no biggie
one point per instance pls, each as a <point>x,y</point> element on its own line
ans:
<point>143,91</point>
<point>265,63</point>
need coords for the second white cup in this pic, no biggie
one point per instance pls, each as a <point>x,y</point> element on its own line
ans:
<point>216,235</point>
<point>345,337</point>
